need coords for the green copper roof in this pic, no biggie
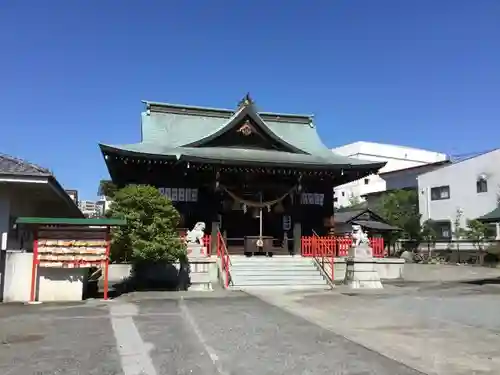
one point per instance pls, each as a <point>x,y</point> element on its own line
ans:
<point>242,113</point>
<point>225,155</point>
<point>174,131</point>
<point>491,217</point>
<point>174,128</point>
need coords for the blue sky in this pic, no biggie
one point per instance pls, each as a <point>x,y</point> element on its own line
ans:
<point>417,73</point>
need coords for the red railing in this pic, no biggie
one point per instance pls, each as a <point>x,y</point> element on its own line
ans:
<point>315,246</point>
<point>223,254</point>
<point>327,250</point>
<point>377,244</point>
<point>207,243</point>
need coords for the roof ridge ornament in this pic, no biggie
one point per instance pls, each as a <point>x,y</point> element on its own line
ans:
<point>246,101</point>
<point>246,129</point>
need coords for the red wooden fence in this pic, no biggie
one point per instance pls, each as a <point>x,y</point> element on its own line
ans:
<point>323,246</point>
<point>312,246</point>
<point>207,243</point>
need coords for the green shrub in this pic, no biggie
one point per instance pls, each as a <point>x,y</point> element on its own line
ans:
<point>150,234</point>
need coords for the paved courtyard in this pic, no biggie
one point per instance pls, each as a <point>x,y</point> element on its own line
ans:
<point>431,329</point>
<point>451,329</point>
<point>229,335</point>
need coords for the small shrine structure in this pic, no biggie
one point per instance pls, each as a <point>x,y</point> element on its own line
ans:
<point>64,249</point>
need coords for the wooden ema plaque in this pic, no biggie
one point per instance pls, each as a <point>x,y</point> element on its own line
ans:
<point>66,248</point>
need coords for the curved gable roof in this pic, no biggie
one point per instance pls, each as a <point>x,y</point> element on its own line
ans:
<point>243,112</point>
<point>176,126</point>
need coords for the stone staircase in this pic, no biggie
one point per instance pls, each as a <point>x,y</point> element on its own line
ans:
<point>277,272</point>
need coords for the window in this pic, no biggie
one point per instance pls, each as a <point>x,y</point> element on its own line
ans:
<point>343,193</point>
<point>443,229</point>
<point>491,231</point>
<point>440,192</point>
<point>482,185</point>
<point>367,181</point>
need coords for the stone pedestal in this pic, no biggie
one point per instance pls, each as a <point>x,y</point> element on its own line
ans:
<point>196,250</point>
<point>203,268</point>
<point>360,268</point>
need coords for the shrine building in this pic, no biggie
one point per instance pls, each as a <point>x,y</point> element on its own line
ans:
<point>243,172</point>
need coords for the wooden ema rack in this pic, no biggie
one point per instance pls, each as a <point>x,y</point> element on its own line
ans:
<point>70,247</point>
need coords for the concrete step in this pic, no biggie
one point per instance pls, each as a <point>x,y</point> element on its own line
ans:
<point>273,282</point>
<point>271,260</point>
<point>199,277</point>
<point>298,278</point>
<point>272,266</point>
<point>284,287</point>
<point>282,272</point>
<point>297,258</point>
<point>276,272</point>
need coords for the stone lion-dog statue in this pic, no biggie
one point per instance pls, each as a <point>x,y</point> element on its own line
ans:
<point>359,237</point>
<point>195,236</point>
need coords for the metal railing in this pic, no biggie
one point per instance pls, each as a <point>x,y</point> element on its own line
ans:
<point>320,257</point>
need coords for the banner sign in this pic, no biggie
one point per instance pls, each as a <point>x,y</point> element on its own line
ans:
<point>180,194</point>
<point>312,198</point>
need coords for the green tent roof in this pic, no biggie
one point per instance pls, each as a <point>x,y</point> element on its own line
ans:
<point>491,217</point>
<point>70,221</point>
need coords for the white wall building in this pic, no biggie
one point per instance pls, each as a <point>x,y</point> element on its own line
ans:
<point>470,186</point>
<point>397,158</point>
<point>88,208</point>
<point>25,190</point>
<point>103,203</point>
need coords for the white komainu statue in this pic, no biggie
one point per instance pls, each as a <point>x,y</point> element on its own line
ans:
<point>195,236</point>
<point>359,237</point>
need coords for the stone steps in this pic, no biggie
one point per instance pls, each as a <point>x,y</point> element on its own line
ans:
<point>282,272</point>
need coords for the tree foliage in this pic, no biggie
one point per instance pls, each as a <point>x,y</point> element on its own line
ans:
<point>400,208</point>
<point>429,235</point>
<point>150,233</point>
<point>107,188</point>
<point>428,232</point>
<point>458,231</point>
<point>477,232</point>
<point>354,200</point>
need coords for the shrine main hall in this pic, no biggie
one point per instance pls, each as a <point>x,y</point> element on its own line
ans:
<point>243,172</point>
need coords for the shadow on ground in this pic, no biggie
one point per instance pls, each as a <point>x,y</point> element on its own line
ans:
<point>165,278</point>
<point>489,281</point>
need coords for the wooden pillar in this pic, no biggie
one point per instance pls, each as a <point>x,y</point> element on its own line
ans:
<point>213,237</point>
<point>215,221</point>
<point>297,225</point>
<point>328,209</point>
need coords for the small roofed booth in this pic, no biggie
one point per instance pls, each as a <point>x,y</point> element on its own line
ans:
<point>373,224</point>
<point>492,217</point>
<point>64,249</point>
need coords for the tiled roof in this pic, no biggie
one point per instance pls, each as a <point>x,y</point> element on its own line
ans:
<point>10,165</point>
<point>222,154</point>
<point>178,131</point>
<point>491,217</point>
<point>174,128</point>
<point>346,216</point>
